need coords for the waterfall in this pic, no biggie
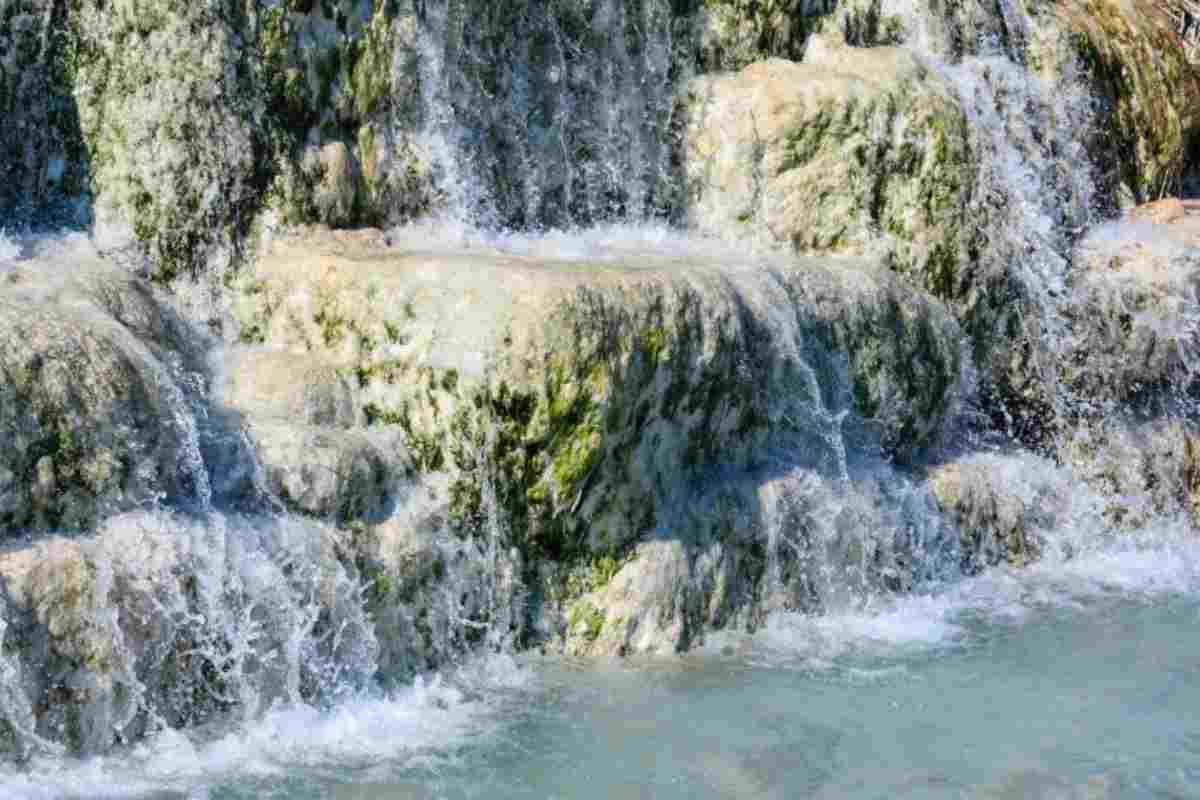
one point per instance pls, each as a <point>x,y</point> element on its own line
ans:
<point>200,599</point>
<point>551,114</point>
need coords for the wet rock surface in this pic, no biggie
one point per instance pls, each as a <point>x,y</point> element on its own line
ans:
<point>99,379</point>
<point>591,396</point>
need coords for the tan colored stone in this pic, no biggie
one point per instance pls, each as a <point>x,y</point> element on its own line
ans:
<point>1160,212</point>
<point>996,520</point>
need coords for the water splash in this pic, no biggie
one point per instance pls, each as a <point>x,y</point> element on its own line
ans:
<point>416,727</point>
<point>10,250</point>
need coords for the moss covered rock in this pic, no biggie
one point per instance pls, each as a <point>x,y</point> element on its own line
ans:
<point>1128,54</point>
<point>572,402</point>
<point>853,151</point>
<point>43,166</point>
<point>734,33</point>
<point>96,405</point>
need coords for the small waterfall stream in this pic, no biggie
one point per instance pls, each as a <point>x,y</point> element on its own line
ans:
<point>552,114</point>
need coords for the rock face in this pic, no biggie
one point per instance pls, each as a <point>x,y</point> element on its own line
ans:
<point>96,403</point>
<point>418,446</point>
<point>582,400</point>
<point>792,153</point>
<point>364,111</point>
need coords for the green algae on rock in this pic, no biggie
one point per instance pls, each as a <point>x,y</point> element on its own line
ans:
<point>583,400</point>
<point>853,151</point>
<point>92,410</point>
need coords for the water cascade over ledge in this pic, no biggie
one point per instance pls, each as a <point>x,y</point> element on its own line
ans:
<point>605,328</point>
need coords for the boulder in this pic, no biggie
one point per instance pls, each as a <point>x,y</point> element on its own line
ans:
<point>98,406</point>
<point>578,400</point>
<point>854,151</point>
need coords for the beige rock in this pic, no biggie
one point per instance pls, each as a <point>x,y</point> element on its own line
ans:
<point>853,151</point>
<point>1160,212</point>
<point>297,387</point>
<point>338,190</point>
<point>998,519</point>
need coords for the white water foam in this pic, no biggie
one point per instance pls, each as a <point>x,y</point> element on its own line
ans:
<point>417,727</point>
<point>609,243</point>
<point>1147,565</point>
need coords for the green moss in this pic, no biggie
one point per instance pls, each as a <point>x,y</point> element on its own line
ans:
<point>653,342</point>
<point>587,619</point>
<point>333,325</point>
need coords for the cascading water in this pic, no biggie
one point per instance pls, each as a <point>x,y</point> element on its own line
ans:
<point>557,114</point>
<point>214,612</point>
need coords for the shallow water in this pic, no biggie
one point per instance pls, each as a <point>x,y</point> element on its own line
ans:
<point>1074,679</point>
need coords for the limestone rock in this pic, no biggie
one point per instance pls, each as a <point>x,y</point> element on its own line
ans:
<point>280,385</point>
<point>149,618</point>
<point>326,473</point>
<point>338,192</point>
<point>41,165</point>
<point>305,419</point>
<point>644,609</point>
<point>605,379</point>
<point>1185,20</point>
<point>1160,212</point>
<point>581,401</point>
<point>1125,51</point>
<point>734,33</point>
<point>862,151</point>
<point>1144,471</point>
<point>1134,328</point>
<point>1135,61</point>
<point>998,518</point>
<point>97,405</point>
